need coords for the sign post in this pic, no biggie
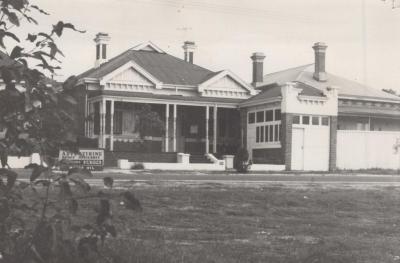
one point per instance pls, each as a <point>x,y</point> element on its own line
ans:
<point>90,159</point>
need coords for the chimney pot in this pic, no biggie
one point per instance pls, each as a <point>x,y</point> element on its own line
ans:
<point>189,47</point>
<point>258,68</point>
<point>320,53</point>
<point>101,41</point>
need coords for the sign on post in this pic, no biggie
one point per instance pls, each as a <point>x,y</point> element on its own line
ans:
<point>91,159</point>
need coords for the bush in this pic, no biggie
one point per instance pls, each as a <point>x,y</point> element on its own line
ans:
<point>137,166</point>
<point>241,162</point>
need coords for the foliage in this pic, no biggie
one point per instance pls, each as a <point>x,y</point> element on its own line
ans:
<point>45,228</point>
<point>241,161</point>
<point>149,122</point>
<point>35,115</point>
<point>138,166</point>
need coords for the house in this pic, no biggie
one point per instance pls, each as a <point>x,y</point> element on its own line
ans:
<point>302,118</point>
<point>199,107</point>
<point>308,119</point>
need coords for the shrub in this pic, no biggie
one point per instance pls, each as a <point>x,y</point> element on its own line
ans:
<point>138,166</point>
<point>241,162</point>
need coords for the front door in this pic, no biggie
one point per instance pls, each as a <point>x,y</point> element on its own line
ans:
<point>298,149</point>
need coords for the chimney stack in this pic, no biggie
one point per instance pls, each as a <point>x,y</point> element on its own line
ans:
<point>101,41</point>
<point>258,68</point>
<point>189,47</point>
<point>320,51</point>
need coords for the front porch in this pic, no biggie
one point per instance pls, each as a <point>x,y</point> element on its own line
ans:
<point>194,128</point>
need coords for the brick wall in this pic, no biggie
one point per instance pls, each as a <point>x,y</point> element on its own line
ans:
<point>332,142</point>
<point>268,156</point>
<point>286,139</point>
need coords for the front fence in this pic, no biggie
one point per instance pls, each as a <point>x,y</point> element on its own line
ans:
<point>367,149</point>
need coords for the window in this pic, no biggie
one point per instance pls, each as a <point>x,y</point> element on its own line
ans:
<point>257,134</point>
<point>325,121</point>
<point>296,119</point>
<point>277,137</point>
<point>269,115</point>
<point>306,120</point>
<point>266,133</point>
<point>315,120</point>
<point>271,133</point>
<point>118,122</point>
<point>277,115</point>
<point>252,117</point>
<point>96,118</point>
<point>262,134</point>
<point>260,116</point>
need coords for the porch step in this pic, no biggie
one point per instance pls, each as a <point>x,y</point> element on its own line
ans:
<point>199,158</point>
<point>111,158</point>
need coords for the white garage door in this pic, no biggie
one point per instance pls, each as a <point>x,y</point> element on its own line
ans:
<point>310,148</point>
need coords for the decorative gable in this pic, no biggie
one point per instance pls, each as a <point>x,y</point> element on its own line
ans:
<point>226,84</point>
<point>131,76</point>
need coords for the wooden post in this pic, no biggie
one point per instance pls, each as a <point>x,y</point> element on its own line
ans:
<point>103,118</point>
<point>207,128</point>
<point>112,125</point>
<point>215,129</point>
<point>174,130</point>
<point>166,127</point>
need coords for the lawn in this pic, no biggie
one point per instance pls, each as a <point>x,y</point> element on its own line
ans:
<point>210,222</point>
<point>230,223</point>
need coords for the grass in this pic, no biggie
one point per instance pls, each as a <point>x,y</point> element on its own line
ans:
<point>224,223</point>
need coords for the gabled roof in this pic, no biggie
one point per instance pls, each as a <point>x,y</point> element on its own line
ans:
<point>346,88</point>
<point>164,67</point>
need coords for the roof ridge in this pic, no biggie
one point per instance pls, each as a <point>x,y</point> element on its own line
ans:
<point>283,70</point>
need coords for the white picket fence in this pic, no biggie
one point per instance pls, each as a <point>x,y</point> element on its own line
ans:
<point>367,149</point>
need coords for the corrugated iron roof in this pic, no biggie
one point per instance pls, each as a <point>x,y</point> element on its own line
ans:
<point>346,88</point>
<point>164,67</point>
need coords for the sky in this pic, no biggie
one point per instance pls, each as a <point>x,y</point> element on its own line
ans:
<point>363,36</point>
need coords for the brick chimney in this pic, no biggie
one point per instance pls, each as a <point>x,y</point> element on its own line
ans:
<point>320,51</point>
<point>258,68</point>
<point>189,47</point>
<point>101,41</point>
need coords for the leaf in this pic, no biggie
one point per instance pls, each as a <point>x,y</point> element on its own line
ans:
<point>73,206</point>
<point>16,52</point>
<point>23,185</point>
<point>40,10</point>
<point>17,4</point>
<point>59,27</point>
<point>131,202</point>
<point>54,50</point>
<point>12,17</point>
<point>36,172</point>
<point>46,36</point>
<point>31,37</point>
<point>108,182</point>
